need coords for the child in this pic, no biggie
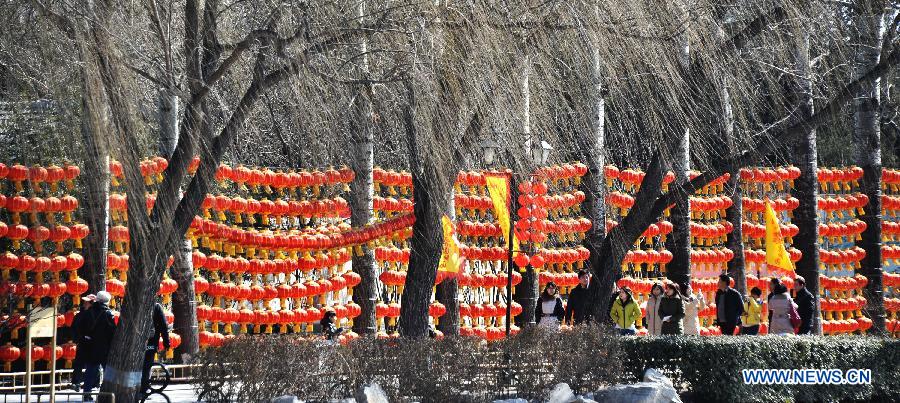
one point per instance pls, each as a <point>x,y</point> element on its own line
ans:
<point>752,311</point>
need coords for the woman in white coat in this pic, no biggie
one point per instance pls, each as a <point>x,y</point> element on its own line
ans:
<point>654,322</point>
<point>693,304</point>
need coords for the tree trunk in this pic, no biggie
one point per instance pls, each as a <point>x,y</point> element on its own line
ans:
<point>734,240</point>
<point>361,192</point>
<point>95,198</point>
<point>734,214</point>
<point>679,242</point>
<point>184,304</point>
<point>868,34</point>
<point>167,115</point>
<point>427,237</point>
<point>447,293</point>
<point>806,186</point>
<point>594,188</point>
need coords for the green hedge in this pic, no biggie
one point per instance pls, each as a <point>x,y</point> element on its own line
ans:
<point>709,368</point>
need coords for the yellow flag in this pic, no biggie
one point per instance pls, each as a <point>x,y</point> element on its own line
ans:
<point>498,188</point>
<point>450,257</point>
<point>776,254</point>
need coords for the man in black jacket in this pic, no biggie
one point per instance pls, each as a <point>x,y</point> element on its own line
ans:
<point>806,305</point>
<point>82,347</point>
<point>729,306</point>
<point>576,307</point>
<point>97,330</point>
<point>160,330</point>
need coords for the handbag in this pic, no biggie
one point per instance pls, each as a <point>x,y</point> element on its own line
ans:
<point>794,316</point>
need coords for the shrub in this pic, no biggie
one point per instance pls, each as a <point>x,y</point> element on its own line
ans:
<point>530,364</point>
<point>710,367</point>
<point>254,368</point>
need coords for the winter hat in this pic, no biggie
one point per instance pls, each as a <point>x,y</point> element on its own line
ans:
<point>103,297</point>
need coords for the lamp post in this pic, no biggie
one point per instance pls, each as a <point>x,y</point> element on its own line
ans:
<point>539,152</point>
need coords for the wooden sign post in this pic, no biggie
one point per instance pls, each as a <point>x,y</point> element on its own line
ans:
<point>41,323</point>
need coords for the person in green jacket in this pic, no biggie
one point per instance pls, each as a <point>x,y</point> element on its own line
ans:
<point>671,311</point>
<point>625,312</point>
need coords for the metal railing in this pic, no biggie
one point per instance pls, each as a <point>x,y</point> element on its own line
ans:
<point>60,397</point>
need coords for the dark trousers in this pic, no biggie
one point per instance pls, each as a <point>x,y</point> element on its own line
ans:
<point>91,376</point>
<point>148,363</point>
<point>805,327</point>
<point>750,330</point>
<point>77,369</point>
<point>626,332</point>
<point>727,328</point>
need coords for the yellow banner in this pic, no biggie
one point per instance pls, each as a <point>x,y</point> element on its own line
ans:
<point>498,188</point>
<point>776,254</point>
<point>451,261</point>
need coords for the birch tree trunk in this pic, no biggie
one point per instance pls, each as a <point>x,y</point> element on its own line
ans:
<point>594,186</point>
<point>679,243</point>
<point>868,37</point>
<point>806,186</point>
<point>361,192</point>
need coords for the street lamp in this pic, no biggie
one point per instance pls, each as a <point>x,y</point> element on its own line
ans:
<point>489,149</point>
<point>538,150</point>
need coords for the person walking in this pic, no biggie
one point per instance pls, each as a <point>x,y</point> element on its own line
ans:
<point>329,329</point>
<point>549,311</point>
<point>576,311</point>
<point>625,312</point>
<point>693,304</point>
<point>780,306</point>
<point>729,306</point>
<point>98,329</point>
<point>752,316</point>
<point>806,305</point>
<point>671,311</point>
<point>82,346</point>
<point>654,324</point>
<point>160,331</point>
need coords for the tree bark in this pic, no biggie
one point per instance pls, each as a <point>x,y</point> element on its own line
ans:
<point>806,186</point>
<point>868,36</point>
<point>167,116</point>
<point>594,188</point>
<point>361,193</point>
<point>95,198</point>
<point>734,214</point>
<point>184,304</point>
<point>427,237</point>
<point>679,242</point>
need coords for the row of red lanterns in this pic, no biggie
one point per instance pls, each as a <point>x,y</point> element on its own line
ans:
<point>842,256</point>
<point>305,241</point>
<point>285,265</point>
<point>768,176</point>
<point>256,292</point>
<point>38,234</point>
<point>271,317</point>
<point>839,178</point>
<point>37,174</point>
<point>564,172</point>
<point>488,310</point>
<point>39,264</point>
<point>752,230</point>
<point>48,206</point>
<point>834,204</point>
